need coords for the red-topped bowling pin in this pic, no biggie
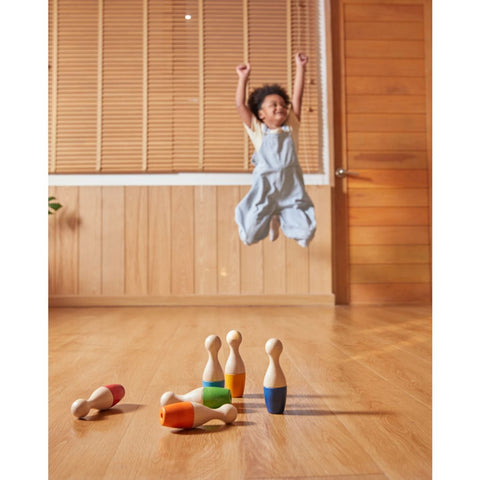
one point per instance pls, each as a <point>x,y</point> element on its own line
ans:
<point>102,398</point>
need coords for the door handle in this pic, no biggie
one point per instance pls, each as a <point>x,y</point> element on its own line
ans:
<point>342,173</point>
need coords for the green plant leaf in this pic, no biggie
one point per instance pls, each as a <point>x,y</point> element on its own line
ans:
<point>53,205</point>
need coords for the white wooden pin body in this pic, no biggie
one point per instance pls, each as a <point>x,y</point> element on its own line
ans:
<point>213,370</point>
<point>234,363</point>
<point>101,399</point>
<point>193,396</point>
<point>202,414</point>
<point>274,376</point>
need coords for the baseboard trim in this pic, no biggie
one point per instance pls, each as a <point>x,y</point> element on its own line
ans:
<point>190,300</point>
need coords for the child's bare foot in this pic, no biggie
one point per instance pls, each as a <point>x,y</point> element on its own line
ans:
<point>274,228</point>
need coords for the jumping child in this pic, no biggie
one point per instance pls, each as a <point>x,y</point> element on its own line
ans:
<point>277,197</point>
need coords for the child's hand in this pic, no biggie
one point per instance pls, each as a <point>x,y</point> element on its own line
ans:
<point>301,60</point>
<point>243,70</point>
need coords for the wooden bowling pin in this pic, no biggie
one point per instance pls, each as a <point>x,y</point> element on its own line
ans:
<point>212,397</point>
<point>213,373</point>
<point>102,398</point>
<point>274,382</point>
<point>192,414</point>
<point>235,368</point>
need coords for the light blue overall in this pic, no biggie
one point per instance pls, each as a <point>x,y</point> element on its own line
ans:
<point>277,189</point>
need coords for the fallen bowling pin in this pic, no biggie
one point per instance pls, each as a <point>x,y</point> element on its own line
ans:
<point>213,373</point>
<point>235,368</point>
<point>102,398</point>
<point>212,397</point>
<point>192,414</point>
<point>274,382</point>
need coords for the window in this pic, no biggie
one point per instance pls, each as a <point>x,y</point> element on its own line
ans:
<point>149,85</point>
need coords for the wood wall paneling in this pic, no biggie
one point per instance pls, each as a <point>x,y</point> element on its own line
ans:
<point>113,241</point>
<point>251,263</point>
<point>136,240</point>
<point>206,261</point>
<point>275,267</point>
<point>297,264</point>
<point>89,241</point>
<point>65,258</point>
<point>52,219</point>
<point>320,249</point>
<point>118,245</point>
<point>228,247</point>
<point>159,240</point>
<point>183,235</point>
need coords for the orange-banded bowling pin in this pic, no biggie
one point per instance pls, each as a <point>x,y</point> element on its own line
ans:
<point>274,383</point>
<point>212,397</point>
<point>102,398</point>
<point>192,414</point>
<point>235,368</point>
<point>213,373</point>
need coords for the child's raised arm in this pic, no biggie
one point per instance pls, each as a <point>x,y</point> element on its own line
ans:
<point>243,71</point>
<point>301,62</point>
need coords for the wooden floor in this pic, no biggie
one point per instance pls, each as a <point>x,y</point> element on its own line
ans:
<point>359,402</point>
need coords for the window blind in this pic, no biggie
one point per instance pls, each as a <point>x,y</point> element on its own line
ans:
<point>149,85</point>
<point>76,86</point>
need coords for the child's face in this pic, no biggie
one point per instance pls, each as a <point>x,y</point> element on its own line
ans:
<point>274,111</point>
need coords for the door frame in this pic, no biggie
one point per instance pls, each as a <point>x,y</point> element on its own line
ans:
<point>340,207</point>
<point>341,260</point>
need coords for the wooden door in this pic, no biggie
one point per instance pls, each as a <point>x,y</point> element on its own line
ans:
<point>382,111</point>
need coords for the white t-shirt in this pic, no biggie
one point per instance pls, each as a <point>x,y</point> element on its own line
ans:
<point>256,134</point>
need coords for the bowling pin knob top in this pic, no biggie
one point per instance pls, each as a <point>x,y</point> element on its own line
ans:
<point>167,398</point>
<point>234,338</point>
<point>80,408</point>
<point>230,413</point>
<point>274,347</point>
<point>213,343</point>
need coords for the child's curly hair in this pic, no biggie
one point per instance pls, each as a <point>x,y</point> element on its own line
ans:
<point>256,98</point>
